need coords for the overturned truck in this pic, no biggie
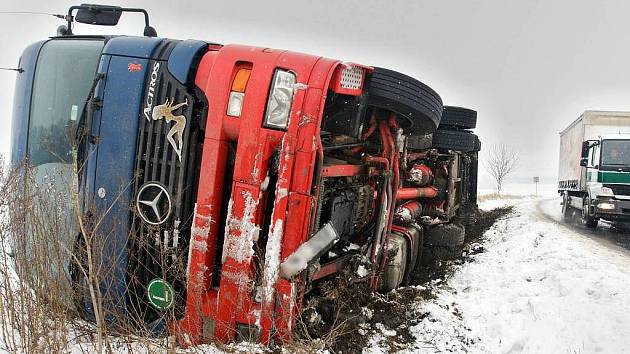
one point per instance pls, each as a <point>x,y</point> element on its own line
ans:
<point>227,180</point>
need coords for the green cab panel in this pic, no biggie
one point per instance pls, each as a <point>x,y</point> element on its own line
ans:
<point>613,177</point>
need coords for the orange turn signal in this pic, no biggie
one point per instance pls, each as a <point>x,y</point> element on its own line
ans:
<point>240,80</point>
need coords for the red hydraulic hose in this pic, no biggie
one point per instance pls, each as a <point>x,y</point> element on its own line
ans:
<point>376,159</point>
<point>414,193</point>
<point>371,128</point>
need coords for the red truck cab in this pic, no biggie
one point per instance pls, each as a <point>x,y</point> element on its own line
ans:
<point>282,98</point>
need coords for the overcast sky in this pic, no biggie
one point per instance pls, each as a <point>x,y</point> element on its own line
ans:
<point>528,67</point>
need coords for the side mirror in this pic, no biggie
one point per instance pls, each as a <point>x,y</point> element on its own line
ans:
<point>584,162</point>
<point>150,32</point>
<point>102,15</point>
<point>585,146</point>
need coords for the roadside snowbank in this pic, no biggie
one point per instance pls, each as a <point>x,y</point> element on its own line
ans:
<point>538,288</point>
<point>523,189</point>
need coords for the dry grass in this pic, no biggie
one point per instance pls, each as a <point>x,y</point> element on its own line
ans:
<point>496,196</point>
<point>45,241</point>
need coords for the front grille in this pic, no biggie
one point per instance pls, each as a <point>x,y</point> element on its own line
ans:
<point>161,251</point>
<point>619,189</point>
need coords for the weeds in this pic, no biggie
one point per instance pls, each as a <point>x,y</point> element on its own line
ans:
<point>60,260</point>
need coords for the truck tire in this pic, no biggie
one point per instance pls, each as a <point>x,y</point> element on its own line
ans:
<point>418,106</point>
<point>445,235</point>
<point>589,220</point>
<point>420,142</point>
<point>477,146</point>
<point>458,118</point>
<point>458,140</point>
<point>566,209</point>
<point>432,254</point>
<point>468,218</point>
<point>442,242</point>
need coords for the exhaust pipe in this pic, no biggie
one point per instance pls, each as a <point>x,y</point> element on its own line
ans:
<point>414,193</point>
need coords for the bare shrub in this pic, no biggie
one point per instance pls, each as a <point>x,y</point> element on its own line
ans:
<point>57,269</point>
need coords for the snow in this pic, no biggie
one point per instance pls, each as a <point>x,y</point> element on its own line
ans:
<point>272,260</point>
<point>538,288</point>
<point>241,248</point>
<point>522,189</point>
<point>362,272</point>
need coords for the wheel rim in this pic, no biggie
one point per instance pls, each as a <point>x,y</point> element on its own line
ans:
<point>585,210</point>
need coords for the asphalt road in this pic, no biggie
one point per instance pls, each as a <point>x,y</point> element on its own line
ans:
<point>612,235</point>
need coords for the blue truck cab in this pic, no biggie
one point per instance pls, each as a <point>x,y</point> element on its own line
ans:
<point>82,113</point>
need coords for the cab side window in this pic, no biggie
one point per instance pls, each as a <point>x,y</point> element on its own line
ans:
<point>595,157</point>
<point>591,156</point>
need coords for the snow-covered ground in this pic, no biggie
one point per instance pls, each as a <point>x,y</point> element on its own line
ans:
<point>522,189</point>
<point>539,287</point>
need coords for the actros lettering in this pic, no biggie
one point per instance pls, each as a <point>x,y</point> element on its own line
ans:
<point>149,103</point>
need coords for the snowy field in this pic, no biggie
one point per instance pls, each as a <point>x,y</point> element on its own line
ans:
<point>539,287</point>
<point>522,189</point>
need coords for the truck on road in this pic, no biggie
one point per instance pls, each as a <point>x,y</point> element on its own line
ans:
<point>594,170</point>
<point>222,182</point>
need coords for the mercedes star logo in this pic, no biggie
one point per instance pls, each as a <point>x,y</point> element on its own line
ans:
<point>153,203</point>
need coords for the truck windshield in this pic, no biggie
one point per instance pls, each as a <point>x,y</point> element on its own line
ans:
<point>64,74</point>
<point>63,77</point>
<point>616,152</point>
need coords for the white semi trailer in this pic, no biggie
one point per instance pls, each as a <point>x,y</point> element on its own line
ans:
<point>594,172</point>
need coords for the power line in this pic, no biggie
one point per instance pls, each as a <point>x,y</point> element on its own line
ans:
<point>31,13</point>
<point>20,70</point>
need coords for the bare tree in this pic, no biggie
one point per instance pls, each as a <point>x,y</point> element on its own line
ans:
<point>501,162</point>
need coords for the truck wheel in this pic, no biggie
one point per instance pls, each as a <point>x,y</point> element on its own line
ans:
<point>587,218</point>
<point>458,118</point>
<point>419,108</point>
<point>420,142</point>
<point>458,140</point>
<point>432,254</point>
<point>446,235</point>
<point>468,218</point>
<point>566,211</point>
<point>442,242</point>
<point>477,146</point>
<point>396,264</point>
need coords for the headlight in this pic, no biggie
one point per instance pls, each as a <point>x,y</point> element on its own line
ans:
<point>235,104</point>
<point>606,205</point>
<point>280,100</point>
<point>607,191</point>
